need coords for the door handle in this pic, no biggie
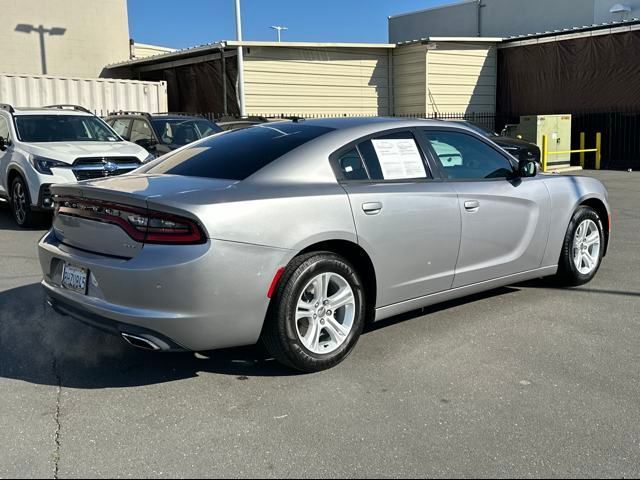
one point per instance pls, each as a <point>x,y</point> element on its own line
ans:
<point>372,208</point>
<point>472,205</point>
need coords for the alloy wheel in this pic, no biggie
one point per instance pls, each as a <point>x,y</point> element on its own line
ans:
<point>586,247</point>
<point>325,313</point>
<point>19,201</point>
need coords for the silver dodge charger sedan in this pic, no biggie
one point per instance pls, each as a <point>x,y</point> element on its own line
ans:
<point>299,233</point>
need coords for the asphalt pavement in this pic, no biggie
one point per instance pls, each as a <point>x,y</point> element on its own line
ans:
<point>526,381</point>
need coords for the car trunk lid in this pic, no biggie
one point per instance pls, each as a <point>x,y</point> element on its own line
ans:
<point>107,216</point>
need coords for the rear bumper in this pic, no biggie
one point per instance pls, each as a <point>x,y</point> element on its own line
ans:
<point>200,297</point>
<point>64,307</point>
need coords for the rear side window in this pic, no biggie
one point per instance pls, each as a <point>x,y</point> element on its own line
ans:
<point>396,156</point>
<point>351,166</point>
<point>238,154</point>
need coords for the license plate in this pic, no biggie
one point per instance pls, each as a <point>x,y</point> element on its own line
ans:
<point>74,278</point>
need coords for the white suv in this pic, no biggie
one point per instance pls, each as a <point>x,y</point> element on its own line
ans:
<point>56,144</point>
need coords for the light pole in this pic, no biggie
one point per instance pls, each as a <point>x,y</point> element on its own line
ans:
<point>243,111</point>
<point>279,29</point>
<point>41,31</point>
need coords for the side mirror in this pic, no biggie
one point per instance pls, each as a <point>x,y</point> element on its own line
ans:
<point>528,168</point>
<point>4,144</point>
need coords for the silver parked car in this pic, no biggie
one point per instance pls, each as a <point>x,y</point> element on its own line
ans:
<point>299,233</point>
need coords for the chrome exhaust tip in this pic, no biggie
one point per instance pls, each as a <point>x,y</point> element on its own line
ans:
<point>140,342</point>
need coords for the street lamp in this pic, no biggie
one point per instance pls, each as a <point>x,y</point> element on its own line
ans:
<point>41,31</point>
<point>622,9</point>
<point>279,29</point>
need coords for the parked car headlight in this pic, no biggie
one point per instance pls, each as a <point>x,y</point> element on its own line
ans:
<point>149,158</point>
<point>44,165</point>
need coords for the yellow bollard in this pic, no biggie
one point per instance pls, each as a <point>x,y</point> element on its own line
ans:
<point>582,147</point>
<point>545,152</point>
<point>598,150</point>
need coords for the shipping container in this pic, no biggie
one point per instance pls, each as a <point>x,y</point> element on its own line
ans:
<point>101,95</point>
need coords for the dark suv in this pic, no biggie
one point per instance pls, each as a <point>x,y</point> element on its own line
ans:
<point>161,133</point>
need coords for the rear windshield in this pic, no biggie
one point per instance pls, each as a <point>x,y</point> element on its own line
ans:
<point>63,128</point>
<point>237,154</point>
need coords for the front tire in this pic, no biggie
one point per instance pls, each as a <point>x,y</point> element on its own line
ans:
<point>583,248</point>
<point>317,313</point>
<point>21,204</point>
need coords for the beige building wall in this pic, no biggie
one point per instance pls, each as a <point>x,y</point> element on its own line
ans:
<point>444,77</point>
<point>410,79</point>
<point>461,78</point>
<point>322,81</point>
<point>89,35</point>
<point>143,50</point>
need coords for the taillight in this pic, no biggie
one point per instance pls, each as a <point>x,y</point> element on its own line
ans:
<point>144,226</point>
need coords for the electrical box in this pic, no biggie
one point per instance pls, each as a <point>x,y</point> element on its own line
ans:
<point>557,128</point>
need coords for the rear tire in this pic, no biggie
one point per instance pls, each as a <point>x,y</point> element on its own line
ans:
<point>583,248</point>
<point>317,313</point>
<point>21,204</point>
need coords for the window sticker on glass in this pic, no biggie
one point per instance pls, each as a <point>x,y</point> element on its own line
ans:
<point>399,159</point>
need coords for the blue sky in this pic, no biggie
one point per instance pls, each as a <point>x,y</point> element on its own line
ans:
<point>185,23</point>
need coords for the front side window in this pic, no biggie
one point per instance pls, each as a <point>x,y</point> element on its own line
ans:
<point>63,128</point>
<point>462,156</point>
<point>121,126</point>
<point>237,154</point>
<point>395,156</point>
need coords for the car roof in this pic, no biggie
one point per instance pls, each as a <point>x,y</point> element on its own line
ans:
<point>361,125</point>
<point>345,123</point>
<point>343,131</point>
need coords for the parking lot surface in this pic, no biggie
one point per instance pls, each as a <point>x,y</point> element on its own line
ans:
<point>528,381</point>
